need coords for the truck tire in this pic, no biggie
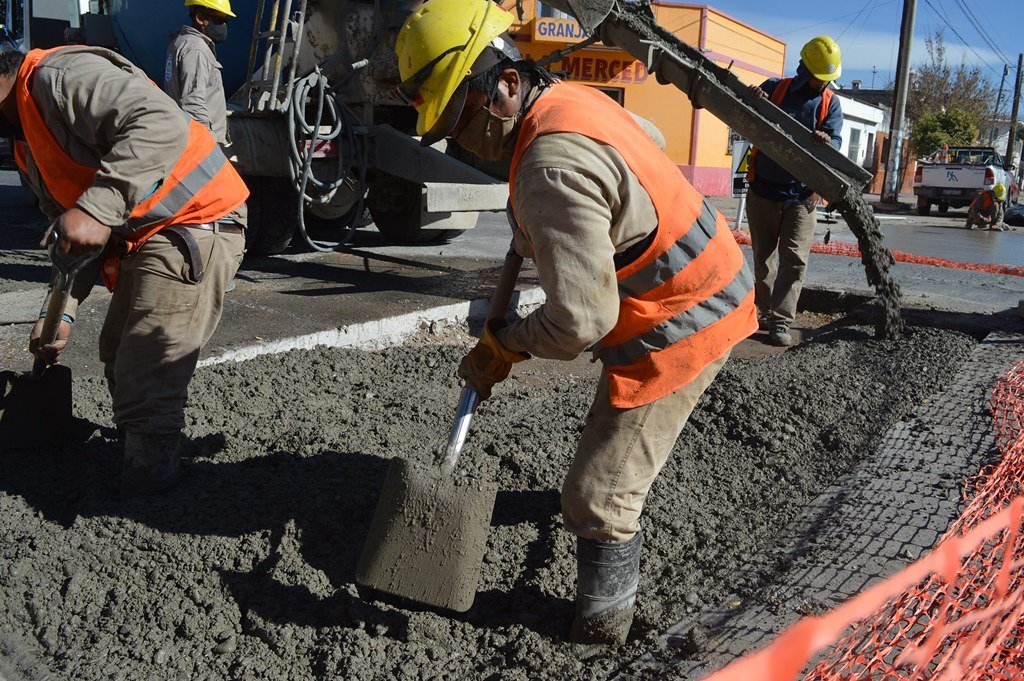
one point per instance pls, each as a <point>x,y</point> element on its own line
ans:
<point>272,204</point>
<point>924,206</point>
<point>943,207</point>
<point>396,206</point>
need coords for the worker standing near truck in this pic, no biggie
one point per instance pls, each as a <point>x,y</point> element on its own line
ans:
<point>120,167</point>
<point>634,262</point>
<point>192,73</point>
<point>780,208</point>
<point>987,209</point>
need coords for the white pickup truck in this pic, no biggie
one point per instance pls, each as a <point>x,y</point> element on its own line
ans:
<point>956,183</point>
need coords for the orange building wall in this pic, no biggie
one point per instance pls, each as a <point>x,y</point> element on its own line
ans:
<point>695,140</point>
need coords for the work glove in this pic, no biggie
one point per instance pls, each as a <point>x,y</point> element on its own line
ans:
<point>49,353</point>
<point>489,362</point>
<point>821,137</point>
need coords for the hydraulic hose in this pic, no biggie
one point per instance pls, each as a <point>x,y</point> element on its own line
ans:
<point>304,138</point>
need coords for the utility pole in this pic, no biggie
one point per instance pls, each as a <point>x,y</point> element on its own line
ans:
<point>1012,144</point>
<point>999,103</point>
<point>893,172</point>
<point>874,70</point>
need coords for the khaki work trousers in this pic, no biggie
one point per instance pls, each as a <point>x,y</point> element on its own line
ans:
<point>786,229</point>
<point>621,452</point>
<point>158,321</point>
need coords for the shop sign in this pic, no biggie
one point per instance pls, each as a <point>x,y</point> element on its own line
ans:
<point>548,30</point>
<point>601,70</point>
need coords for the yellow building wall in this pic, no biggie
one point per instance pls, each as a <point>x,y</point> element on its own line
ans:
<point>695,140</point>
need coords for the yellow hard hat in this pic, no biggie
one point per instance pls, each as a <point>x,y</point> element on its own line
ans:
<point>437,49</point>
<point>222,6</point>
<point>999,191</point>
<point>823,58</point>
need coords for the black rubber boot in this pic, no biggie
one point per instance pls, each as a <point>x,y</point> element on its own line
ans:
<point>607,577</point>
<point>150,463</point>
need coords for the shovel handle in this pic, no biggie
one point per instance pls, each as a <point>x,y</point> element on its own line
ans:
<point>470,398</point>
<point>502,296</point>
<point>457,438</point>
<point>51,324</point>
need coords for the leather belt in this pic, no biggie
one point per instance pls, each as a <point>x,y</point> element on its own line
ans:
<point>218,227</point>
<point>195,256</point>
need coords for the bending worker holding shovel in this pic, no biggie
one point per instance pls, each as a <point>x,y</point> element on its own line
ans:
<point>634,262</point>
<point>120,167</point>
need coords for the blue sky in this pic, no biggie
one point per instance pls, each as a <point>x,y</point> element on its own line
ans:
<point>868,31</point>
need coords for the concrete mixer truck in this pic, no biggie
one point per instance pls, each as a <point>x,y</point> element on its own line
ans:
<point>315,129</point>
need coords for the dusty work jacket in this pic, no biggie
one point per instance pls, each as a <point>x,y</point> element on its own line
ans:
<point>772,181</point>
<point>192,78</point>
<point>100,136</point>
<point>632,259</point>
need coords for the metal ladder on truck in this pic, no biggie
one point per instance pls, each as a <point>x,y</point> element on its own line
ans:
<point>280,43</point>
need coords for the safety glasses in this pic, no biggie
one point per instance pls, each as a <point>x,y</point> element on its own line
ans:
<point>409,89</point>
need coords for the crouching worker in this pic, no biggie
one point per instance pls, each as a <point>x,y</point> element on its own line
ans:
<point>987,209</point>
<point>122,168</point>
<point>635,263</point>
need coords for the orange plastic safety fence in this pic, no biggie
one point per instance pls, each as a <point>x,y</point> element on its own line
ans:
<point>956,614</point>
<point>852,250</point>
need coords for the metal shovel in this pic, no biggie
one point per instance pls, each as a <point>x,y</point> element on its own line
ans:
<point>429,533</point>
<point>36,406</point>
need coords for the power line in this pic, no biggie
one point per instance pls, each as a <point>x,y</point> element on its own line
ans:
<point>827,21</point>
<point>865,22</point>
<point>966,44</point>
<point>981,31</point>
<point>853,20</point>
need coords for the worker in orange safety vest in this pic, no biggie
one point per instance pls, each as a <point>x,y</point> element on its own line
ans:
<point>636,265</point>
<point>987,209</point>
<point>120,167</point>
<point>781,210</point>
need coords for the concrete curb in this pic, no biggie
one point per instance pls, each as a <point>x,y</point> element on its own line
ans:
<point>382,333</point>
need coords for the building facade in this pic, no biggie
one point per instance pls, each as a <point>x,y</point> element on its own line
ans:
<point>699,143</point>
<point>862,124</point>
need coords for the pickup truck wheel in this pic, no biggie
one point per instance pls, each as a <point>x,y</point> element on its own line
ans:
<point>924,206</point>
<point>943,207</point>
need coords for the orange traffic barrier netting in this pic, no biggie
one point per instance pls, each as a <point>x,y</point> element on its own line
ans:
<point>956,614</point>
<point>852,250</point>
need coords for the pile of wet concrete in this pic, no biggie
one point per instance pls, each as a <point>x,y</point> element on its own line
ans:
<point>247,569</point>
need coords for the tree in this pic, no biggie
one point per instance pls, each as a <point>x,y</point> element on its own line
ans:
<point>939,86</point>
<point>954,127</point>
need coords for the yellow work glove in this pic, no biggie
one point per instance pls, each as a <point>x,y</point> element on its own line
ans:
<point>489,362</point>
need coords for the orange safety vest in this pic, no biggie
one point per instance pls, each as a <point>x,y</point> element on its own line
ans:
<point>984,200</point>
<point>689,297</point>
<point>780,92</point>
<point>201,187</point>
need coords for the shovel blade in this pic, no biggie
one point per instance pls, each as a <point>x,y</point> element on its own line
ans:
<point>35,410</point>
<point>428,537</point>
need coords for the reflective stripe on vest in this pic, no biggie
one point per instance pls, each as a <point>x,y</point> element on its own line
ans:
<point>779,94</point>
<point>685,301</point>
<point>201,187</point>
<point>666,267</point>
